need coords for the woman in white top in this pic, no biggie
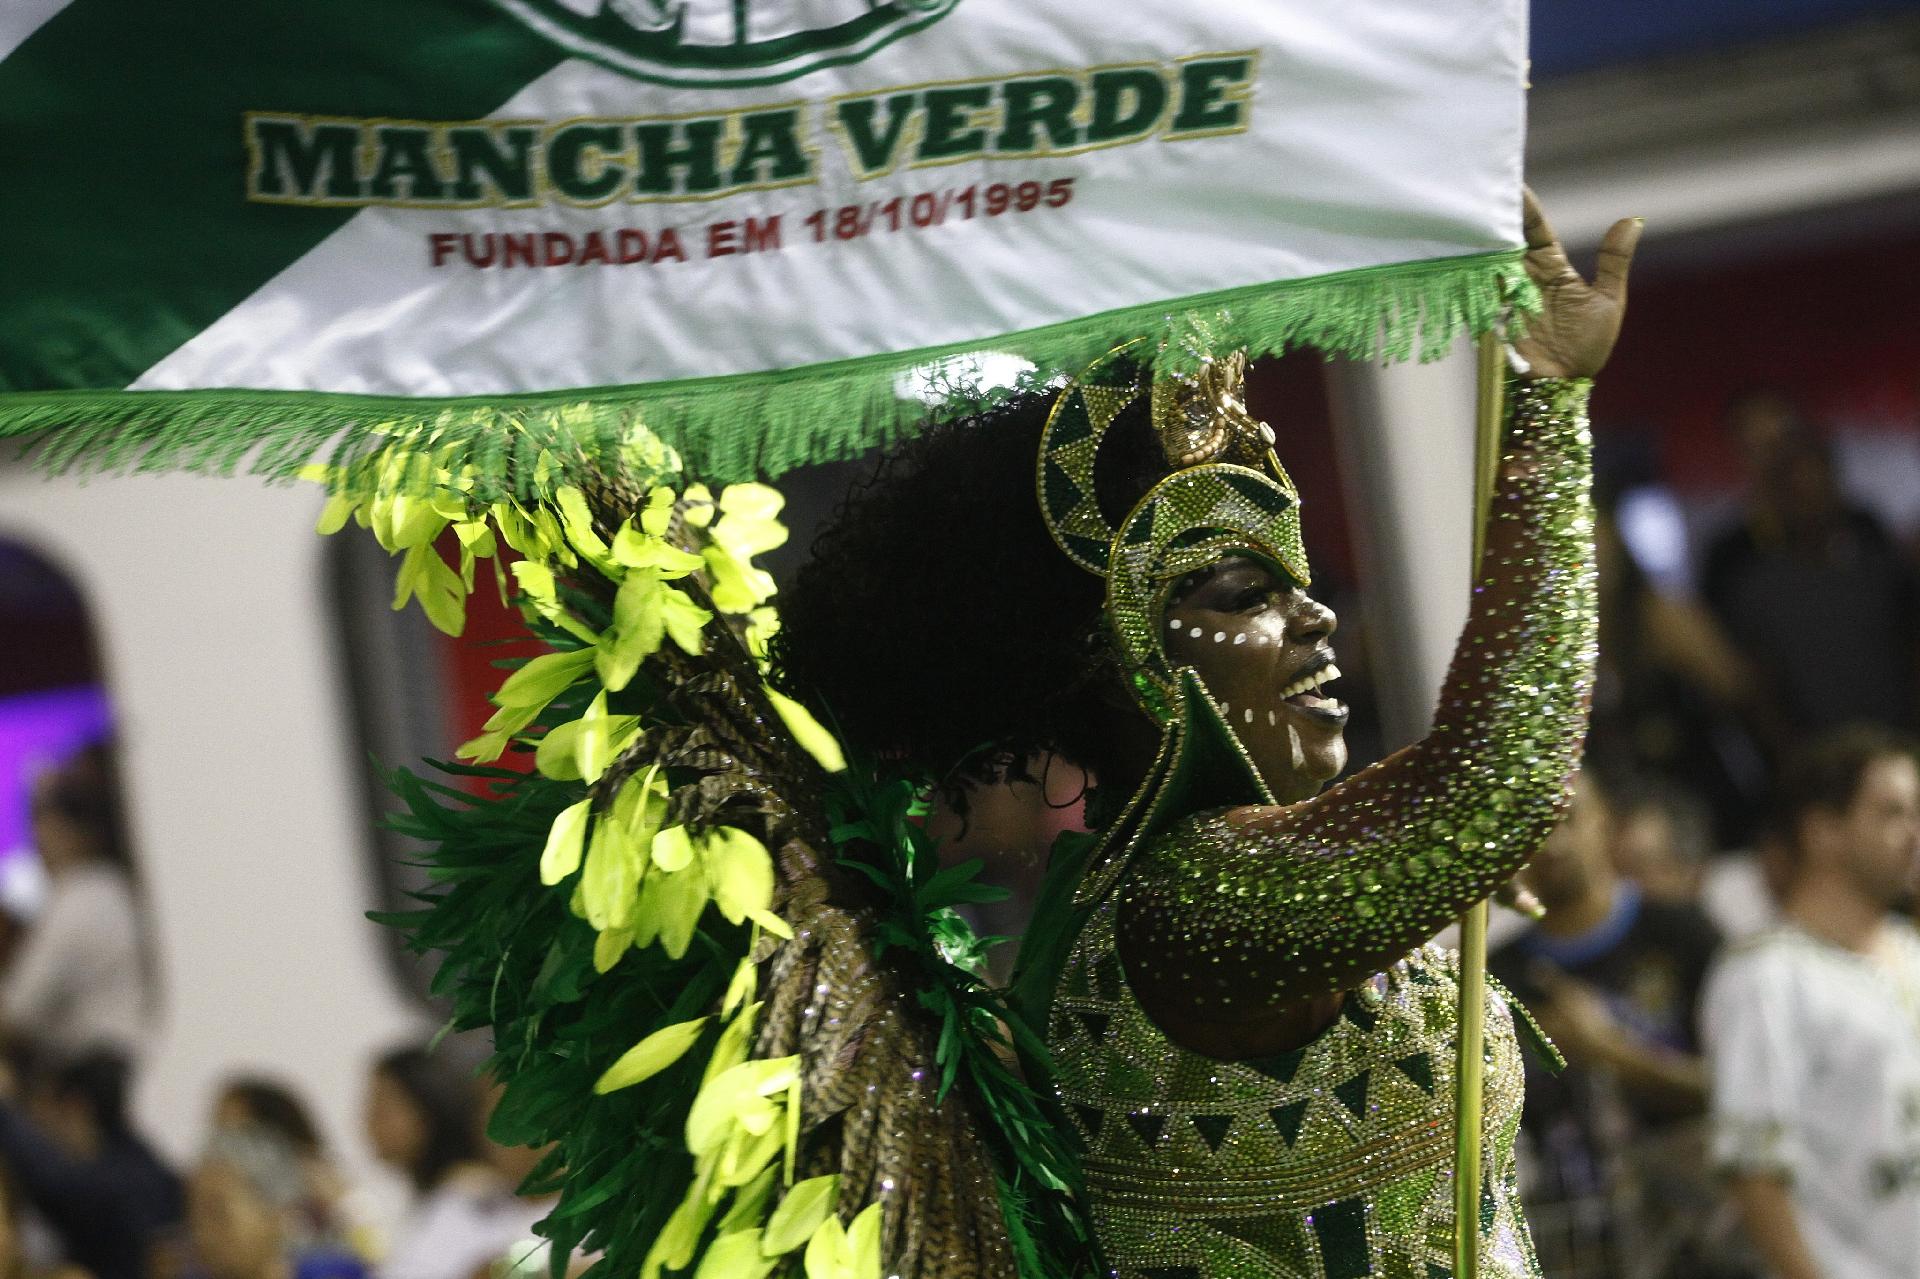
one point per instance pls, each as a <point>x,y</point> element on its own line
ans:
<point>82,979</point>
<point>423,1119</point>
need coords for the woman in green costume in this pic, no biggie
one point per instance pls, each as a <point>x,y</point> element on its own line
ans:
<point>720,964</point>
<point>1245,1025</point>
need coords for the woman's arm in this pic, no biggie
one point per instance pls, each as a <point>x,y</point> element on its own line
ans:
<point>1229,926</point>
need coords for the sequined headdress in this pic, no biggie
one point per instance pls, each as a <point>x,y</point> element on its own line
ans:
<point>1225,492</point>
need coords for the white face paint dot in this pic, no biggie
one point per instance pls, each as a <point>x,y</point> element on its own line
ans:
<point>1174,625</point>
<point>1195,632</point>
<point>1241,638</point>
<point>1249,715</point>
<point>1270,718</point>
<point>1218,636</point>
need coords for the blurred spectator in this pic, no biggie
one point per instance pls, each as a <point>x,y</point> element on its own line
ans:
<point>1813,1028</point>
<point>1801,545</point>
<point>248,1101</point>
<point>1759,418</point>
<point>1673,698</point>
<point>331,1207</point>
<point>13,1246</point>
<point>1742,890</point>
<point>24,1252</point>
<point>92,1178</point>
<point>423,1119</point>
<point>249,1213</point>
<point>1616,1185</point>
<point>530,1255</point>
<point>82,979</point>
<point>1662,839</point>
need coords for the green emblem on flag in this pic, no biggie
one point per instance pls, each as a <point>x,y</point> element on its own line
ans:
<point>724,43</point>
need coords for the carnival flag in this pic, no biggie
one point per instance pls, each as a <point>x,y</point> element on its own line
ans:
<point>234,232</point>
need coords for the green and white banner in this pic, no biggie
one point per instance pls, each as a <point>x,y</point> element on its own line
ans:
<point>755,221</point>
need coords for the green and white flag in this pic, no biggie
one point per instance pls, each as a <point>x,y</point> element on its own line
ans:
<point>263,225</point>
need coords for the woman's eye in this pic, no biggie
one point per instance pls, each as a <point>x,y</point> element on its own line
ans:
<point>1252,598</point>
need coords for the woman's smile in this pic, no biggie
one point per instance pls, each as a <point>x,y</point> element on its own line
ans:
<point>1302,693</point>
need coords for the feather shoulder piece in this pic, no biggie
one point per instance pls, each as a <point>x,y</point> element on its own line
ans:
<point>722,970</point>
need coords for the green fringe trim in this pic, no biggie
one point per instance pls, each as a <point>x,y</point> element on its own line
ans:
<point>729,429</point>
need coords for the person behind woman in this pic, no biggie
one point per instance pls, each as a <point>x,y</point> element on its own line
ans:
<point>422,1118</point>
<point>82,980</point>
<point>248,1213</point>
<point>1243,1025</point>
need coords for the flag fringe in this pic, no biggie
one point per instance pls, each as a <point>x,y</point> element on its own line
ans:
<point>729,429</point>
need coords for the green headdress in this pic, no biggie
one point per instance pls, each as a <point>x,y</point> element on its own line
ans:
<point>1225,493</point>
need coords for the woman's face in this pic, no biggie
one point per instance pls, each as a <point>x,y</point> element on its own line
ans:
<point>1261,645</point>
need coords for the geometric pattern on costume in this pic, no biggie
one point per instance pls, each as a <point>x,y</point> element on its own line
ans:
<point>1070,448</point>
<point>1333,1161</point>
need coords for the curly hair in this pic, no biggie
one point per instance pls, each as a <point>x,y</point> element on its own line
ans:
<point>938,624</point>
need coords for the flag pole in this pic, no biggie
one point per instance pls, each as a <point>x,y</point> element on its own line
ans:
<point>1469,1072</point>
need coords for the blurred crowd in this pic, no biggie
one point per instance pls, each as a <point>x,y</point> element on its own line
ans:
<point>1727,956</point>
<point>1727,960</point>
<point>84,1195</point>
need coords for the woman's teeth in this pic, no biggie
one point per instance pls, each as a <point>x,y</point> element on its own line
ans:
<point>1311,682</point>
<point>1303,693</point>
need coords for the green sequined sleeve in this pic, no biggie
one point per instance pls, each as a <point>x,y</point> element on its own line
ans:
<point>1231,915</point>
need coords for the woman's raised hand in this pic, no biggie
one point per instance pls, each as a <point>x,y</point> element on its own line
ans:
<point>1578,322</point>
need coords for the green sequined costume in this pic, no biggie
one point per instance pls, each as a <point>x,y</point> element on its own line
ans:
<point>1334,1161</point>
<point>725,975</point>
